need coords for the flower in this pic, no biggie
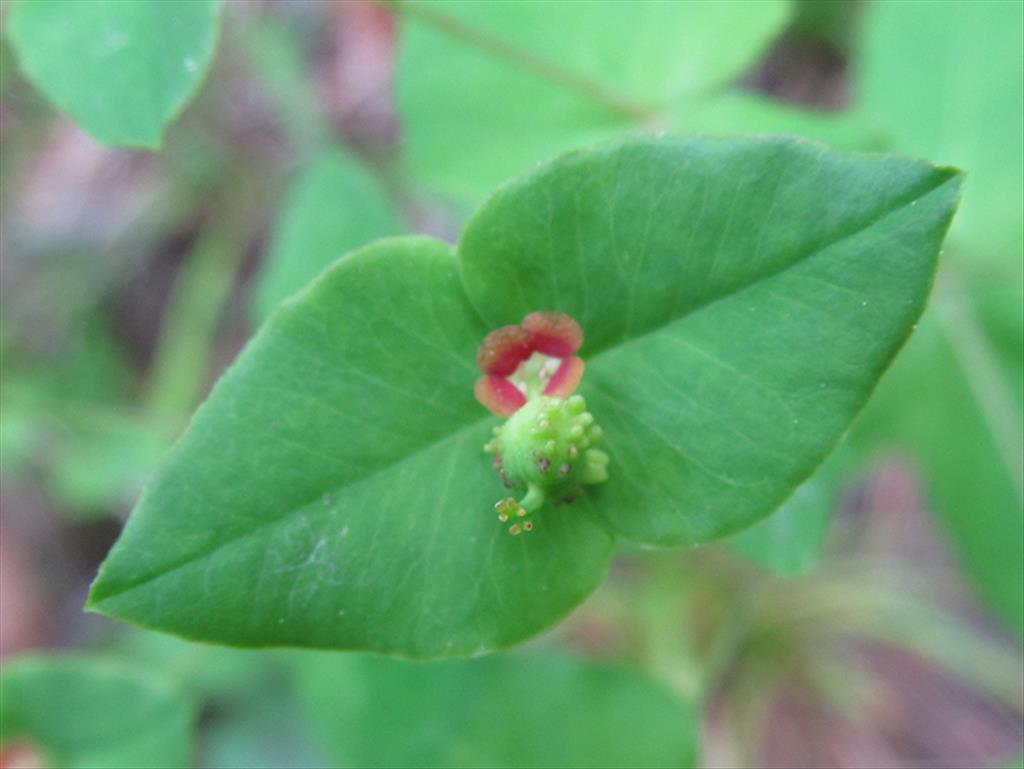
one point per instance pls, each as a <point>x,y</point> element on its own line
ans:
<point>503,353</point>
<point>547,444</point>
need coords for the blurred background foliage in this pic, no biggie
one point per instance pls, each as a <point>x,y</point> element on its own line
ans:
<point>874,620</point>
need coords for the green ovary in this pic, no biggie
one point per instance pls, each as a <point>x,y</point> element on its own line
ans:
<point>547,449</point>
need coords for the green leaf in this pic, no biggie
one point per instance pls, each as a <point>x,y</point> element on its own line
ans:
<point>265,730</point>
<point>19,439</point>
<point>99,468</point>
<point>251,717</point>
<point>524,711</point>
<point>789,541</point>
<point>89,366</point>
<point>67,418</point>
<point>333,491</point>
<point>122,70</point>
<point>335,207</point>
<point>83,712</point>
<point>945,79</point>
<point>488,89</point>
<point>739,299</point>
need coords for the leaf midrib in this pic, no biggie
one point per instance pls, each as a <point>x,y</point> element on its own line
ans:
<point>563,77</point>
<point>917,192</point>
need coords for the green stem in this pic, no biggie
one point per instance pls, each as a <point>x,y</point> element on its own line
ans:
<point>281,62</point>
<point>888,614</point>
<point>669,652</point>
<point>566,78</point>
<point>978,362</point>
<point>184,349</point>
<point>184,669</point>
<point>534,499</point>
<point>727,642</point>
<point>85,414</point>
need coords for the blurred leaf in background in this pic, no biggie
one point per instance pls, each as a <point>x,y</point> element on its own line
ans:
<point>250,715</point>
<point>122,70</point>
<point>487,90</point>
<point>520,710</point>
<point>264,728</point>
<point>945,80</point>
<point>63,416</point>
<point>334,207</point>
<point>789,541</point>
<point>84,712</point>
<point>101,467</point>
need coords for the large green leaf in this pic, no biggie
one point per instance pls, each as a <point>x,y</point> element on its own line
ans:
<point>789,540</point>
<point>530,710</point>
<point>333,490</point>
<point>739,298</point>
<point>122,70</point>
<point>82,712</point>
<point>487,89</point>
<point>335,207</point>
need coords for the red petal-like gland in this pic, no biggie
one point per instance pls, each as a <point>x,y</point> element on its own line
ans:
<point>503,350</point>
<point>498,395</point>
<point>554,333</point>
<point>566,378</point>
